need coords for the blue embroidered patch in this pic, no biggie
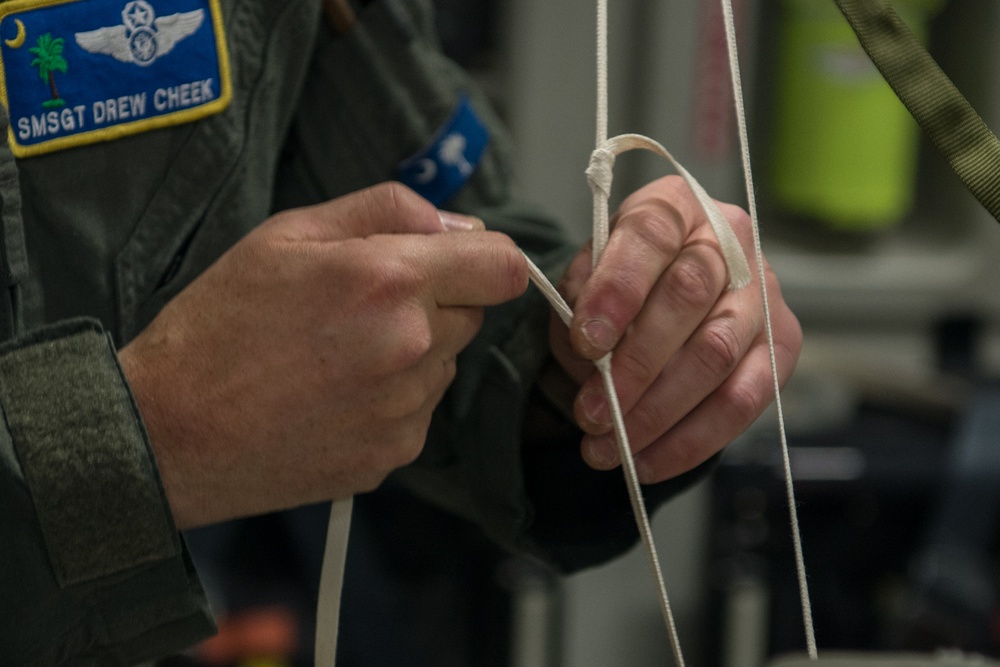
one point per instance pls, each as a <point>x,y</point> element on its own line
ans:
<point>75,72</point>
<point>444,165</point>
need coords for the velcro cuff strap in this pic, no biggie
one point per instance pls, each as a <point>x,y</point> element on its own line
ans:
<point>84,452</point>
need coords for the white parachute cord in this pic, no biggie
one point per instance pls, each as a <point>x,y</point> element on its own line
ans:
<point>602,72</point>
<point>601,233</point>
<point>601,228</point>
<point>628,463</point>
<point>800,566</point>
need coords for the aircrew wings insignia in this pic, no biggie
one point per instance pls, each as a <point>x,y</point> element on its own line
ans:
<point>141,38</point>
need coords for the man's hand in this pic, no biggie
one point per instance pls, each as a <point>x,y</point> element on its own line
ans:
<point>304,365</point>
<point>690,363</point>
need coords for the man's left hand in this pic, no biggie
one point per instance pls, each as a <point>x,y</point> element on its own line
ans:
<point>691,362</point>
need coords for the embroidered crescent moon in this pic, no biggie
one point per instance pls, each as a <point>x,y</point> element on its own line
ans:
<point>428,171</point>
<point>18,40</point>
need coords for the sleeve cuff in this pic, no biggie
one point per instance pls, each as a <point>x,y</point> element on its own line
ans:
<point>118,566</point>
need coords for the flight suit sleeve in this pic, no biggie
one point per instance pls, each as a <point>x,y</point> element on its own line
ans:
<point>500,451</point>
<point>91,563</point>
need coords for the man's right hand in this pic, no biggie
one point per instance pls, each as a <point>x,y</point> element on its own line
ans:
<point>304,364</point>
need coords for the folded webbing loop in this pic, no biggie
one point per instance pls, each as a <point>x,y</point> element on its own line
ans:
<point>944,114</point>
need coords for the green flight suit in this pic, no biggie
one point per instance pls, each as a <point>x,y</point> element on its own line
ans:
<point>92,570</point>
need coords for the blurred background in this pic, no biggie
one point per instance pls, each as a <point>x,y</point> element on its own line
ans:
<point>893,415</point>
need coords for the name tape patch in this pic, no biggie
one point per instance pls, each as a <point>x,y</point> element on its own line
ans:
<point>446,163</point>
<point>76,72</point>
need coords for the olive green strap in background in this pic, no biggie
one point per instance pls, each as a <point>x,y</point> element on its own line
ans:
<point>945,115</point>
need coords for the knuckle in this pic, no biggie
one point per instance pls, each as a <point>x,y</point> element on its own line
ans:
<point>369,473</point>
<point>630,293</point>
<point>659,228</point>
<point>414,342</point>
<point>410,450</point>
<point>667,189</point>
<point>412,410</point>
<point>392,194</point>
<point>647,418</point>
<point>398,447</point>
<point>676,186</point>
<point>746,401</point>
<point>789,344</point>
<point>463,331</point>
<point>408,446</point>
<point>719,348</point>
<point>370,481</point>
<point>636,364</point>
<point>401,401</point>
<point>738,219</point>
<point>399,208</point>
<point>395,280</point>
<point>475,316</point>
<point>416,393</point>
<point>692,283</point>
<point>449,369</point>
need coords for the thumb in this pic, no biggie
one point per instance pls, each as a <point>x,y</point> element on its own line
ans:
<point>387,208</point>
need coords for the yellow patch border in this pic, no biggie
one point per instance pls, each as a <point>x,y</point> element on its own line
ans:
<point>131,127</point>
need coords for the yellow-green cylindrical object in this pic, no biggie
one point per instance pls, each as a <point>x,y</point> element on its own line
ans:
<point>844,149</point>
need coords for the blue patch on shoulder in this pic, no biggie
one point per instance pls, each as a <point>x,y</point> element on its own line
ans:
<point>444,165</point>
<point>75,72</point>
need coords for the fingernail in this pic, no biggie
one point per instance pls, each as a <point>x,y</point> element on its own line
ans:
<point>602,451</point>
<point>456,222</point>
<point>600,335</point>
<point>595,407</point>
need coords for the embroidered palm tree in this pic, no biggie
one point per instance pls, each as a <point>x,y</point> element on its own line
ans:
<point>49,60</point>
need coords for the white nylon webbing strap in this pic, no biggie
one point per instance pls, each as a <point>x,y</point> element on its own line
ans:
<point>331,582</point>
